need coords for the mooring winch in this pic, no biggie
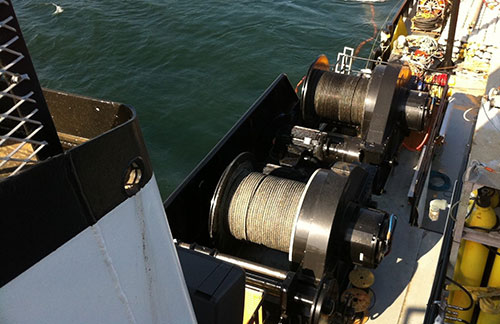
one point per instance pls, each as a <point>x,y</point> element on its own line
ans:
<point>297,229</point>
<point>315,223</point>
<point>372,103</point>
<point>358,118</point>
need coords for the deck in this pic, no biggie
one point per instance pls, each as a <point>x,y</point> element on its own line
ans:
<point>404,280</point>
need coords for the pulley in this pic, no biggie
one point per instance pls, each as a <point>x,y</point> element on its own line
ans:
<point>316,222</point>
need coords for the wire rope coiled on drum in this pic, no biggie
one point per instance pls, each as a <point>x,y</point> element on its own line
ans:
<point>304,220</point>
<point>340,97</point>
<point>263,209</point>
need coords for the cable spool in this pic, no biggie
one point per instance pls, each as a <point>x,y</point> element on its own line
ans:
<point>333,96</point>
<point>340,97</point>
<point>263,208</point>
<point>427,24</point>
<point>357,101</point>
<point>348,99</point>
<point>256,207</point>
<point>309,220</point>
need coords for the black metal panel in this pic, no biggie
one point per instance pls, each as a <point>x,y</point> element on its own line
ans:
<point>85,117</point>
<point>216,288</point>
<point>379,114</point>
<point>423,168</point>
<point>188,206</point>
<point>41,209</point>
<point>48,204</point>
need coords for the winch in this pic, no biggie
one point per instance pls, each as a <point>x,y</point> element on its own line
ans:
<point>315,223</point>
<point>357,118</point>
<point>372,103</point>
<point>297,229</point>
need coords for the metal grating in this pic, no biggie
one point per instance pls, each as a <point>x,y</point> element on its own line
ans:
<point>26,128</point>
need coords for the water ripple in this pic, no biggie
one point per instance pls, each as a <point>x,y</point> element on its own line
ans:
<point>190,68</point>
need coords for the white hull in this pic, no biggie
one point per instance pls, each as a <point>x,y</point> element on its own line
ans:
<point>124,269</point>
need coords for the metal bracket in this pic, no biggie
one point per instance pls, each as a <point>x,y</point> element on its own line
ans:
<point>344,61</point>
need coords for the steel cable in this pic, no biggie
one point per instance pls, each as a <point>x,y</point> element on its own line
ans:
<point>341,97</point>
<point>427,24</point>
<point>263,208</point>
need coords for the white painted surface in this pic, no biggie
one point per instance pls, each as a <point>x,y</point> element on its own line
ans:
<point>122,270</point>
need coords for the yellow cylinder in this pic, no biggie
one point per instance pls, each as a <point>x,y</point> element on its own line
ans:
<point>494,281</point>
<point>471,260</point>
<point>492,193</point>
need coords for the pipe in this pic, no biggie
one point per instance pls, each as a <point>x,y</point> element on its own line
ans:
<point>273,288</point>
<point>475,16</point>
<point>244,264</point>
<point>451,34</point>
<point>252,266</point>
<point>444,124</point>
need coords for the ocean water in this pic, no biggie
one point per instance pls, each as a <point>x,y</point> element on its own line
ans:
<point>189,68</point>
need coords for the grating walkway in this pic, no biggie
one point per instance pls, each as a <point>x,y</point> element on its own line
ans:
<point>27,133</point>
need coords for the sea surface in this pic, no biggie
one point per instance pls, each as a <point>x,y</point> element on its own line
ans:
<point>189,68</point>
